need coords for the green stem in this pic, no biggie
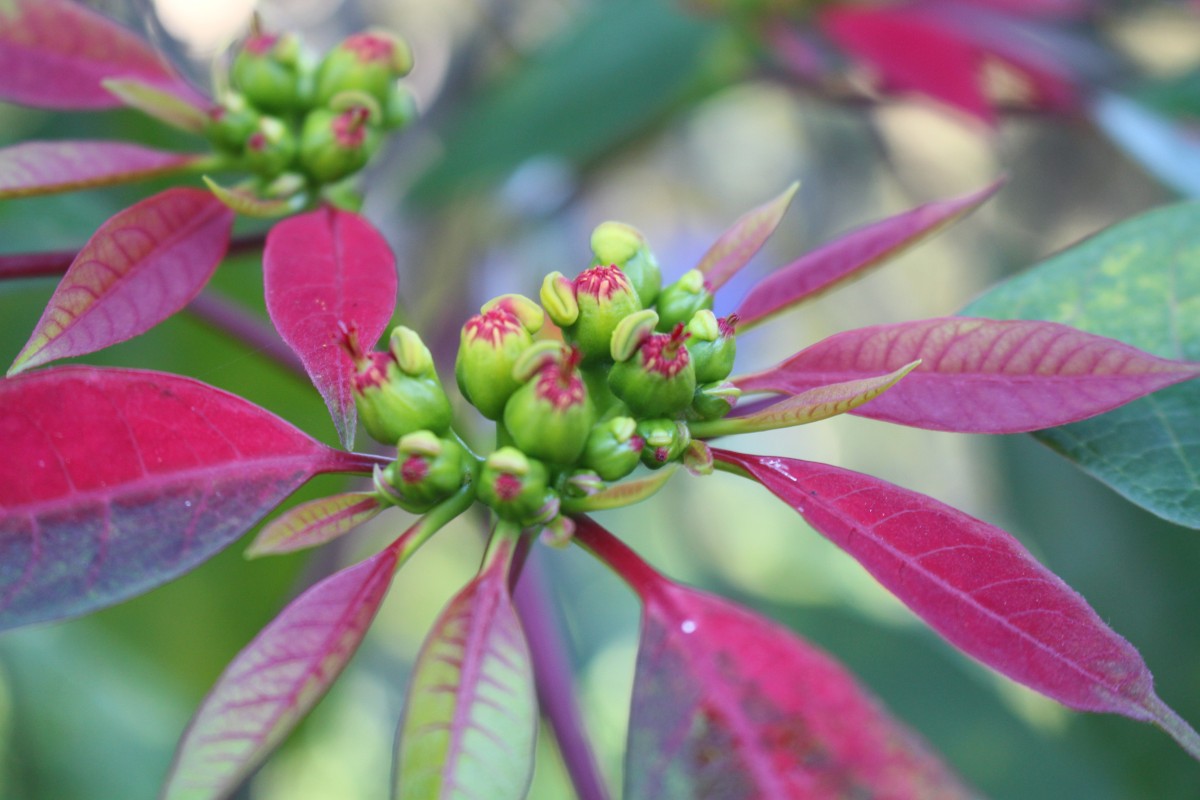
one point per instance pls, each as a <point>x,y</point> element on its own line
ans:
<point>433,521</point>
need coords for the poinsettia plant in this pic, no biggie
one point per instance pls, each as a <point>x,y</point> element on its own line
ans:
<point>298,131</point>
<point>600,391</point>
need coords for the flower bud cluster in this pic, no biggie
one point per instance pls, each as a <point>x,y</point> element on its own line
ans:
<point>292,121</point>
<point>609,386</point>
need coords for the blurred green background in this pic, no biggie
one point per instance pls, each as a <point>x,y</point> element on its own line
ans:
<point>543,118</point>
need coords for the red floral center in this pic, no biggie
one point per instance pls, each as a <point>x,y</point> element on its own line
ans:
<point>414,469</point>
<point>507,487</point>
<point>350,127</point>
<point>664,353</point>
<point>369,47</point>
<point>260,44</point>
<point>602,282</point>
<point>492,326</point>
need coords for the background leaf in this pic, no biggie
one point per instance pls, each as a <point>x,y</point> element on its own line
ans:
<point>115,481</point>
<point>277,678</point>
<point>43,167</point>
<point>974,584</point>
<point>55,53</point>
<point>325,272</point>
<point>1138,281</point>
<point>979,375</point>
<point>744,238</point>
<point>139,268</point>
<point>726,704</point>
<point>471,716</point>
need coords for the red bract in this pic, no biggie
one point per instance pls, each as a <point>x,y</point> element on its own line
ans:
<point>973,55</point>
<point>120,480</point>
<point>324,274</point>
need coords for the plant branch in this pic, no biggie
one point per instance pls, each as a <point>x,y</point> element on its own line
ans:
<point>53,263</point>
<point>553,678</point>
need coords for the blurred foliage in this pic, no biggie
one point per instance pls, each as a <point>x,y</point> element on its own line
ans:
<point>626,94</point>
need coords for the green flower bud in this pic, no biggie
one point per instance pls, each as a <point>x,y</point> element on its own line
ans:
<point>267,70</point>
<point>392,401</point>
<point>666,441</point>
<point>400,108</point>
<point>625,246</point>
<point>520,307</point>
<point>682,299</point>
<point>712,345</point>
<point>489,346</point>
<point>550,416</point>
<point>658,379</point>
<point>613,448</point>
<point>516,488</point>
<point>335,143</point>
<point>427,470</point>
<point>367,62</point>
<point>605,297</point>
<point>231,123</point>
<point>270,148</point>
<point>714,400</point>
<point>558,298</point>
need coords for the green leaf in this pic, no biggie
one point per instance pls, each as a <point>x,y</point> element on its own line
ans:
<point>609,79</point>
<point>1139,282</point>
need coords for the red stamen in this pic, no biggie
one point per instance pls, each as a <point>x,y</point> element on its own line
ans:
<point>369,47</point>
<point>414,469</point>
<point>507,487</point>
<point>602,282</point>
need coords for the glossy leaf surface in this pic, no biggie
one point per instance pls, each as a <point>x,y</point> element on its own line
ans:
<point>272,683</point>
<point>471,715</point>
<point>314,523</point>
<point>115,481</point>
<point>55,53</point>
<point>975,585</point>
<point>738,245</point>
<point>979,375</point>
<point>809,405</point>
<point>726,704</point>
<point>1138,281</point>
<point>33,168</point>
<point>851,254</point>
<point>326,272</point>
<point>140,267</point>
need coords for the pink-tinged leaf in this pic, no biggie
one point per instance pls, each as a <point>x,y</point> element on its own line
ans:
<point>245,202</point>
<point>811,405</point>
<point>471,716</point>
<point>115,481</point>
<point>56,53</point>
<point>619,495</point>
<point>726,704</point>
<point>975,585</point>
<point>159,103</point>
<point>852,254</point>
<point>272,683</point>
<point>909,55</point>
<point>314,523</point>
<point>738,245</point>
<point>326,272</point>
<point>34,168</point>
<point>981,375</point>
<point>140,267</point>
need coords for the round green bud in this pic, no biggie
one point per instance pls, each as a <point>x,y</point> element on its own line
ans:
<point>268,71</point>
<point>489,345</point>
<point>368,62</point>
<point>604,297</point>
<point>658,379</point>
<point>337,143</point>
<point>269,148</point>
<point>625,246</point>
<point>517,488</point>
<point>395,393</point>
<point>680,301</point>
<point>613,448</point>
<point>712,345</point>
<point>551,415</point>
<point>714,400</point>
<point>231,123</point>
<point>666,440</point>
<point>427,470</point>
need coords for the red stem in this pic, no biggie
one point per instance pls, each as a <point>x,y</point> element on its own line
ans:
<point>553,677</point>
